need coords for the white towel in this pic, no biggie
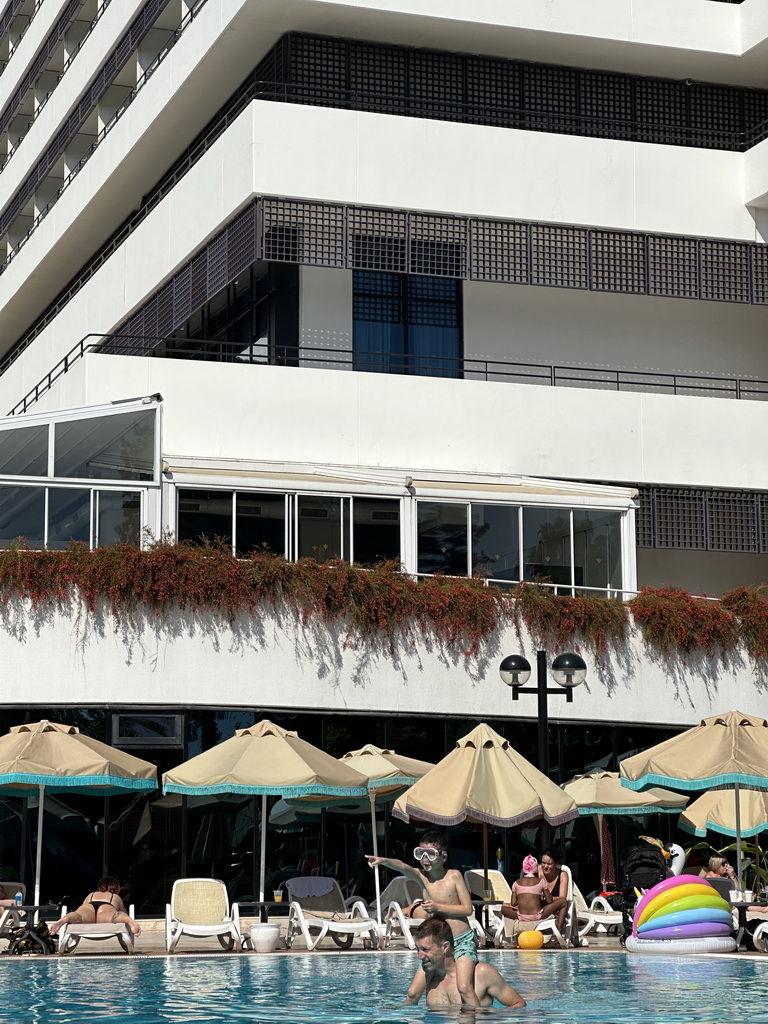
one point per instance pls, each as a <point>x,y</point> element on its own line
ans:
<point>309,885</point>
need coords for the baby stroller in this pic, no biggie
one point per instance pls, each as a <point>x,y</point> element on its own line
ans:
<point>644,868</point>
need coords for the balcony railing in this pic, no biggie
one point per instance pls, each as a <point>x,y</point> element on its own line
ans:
<point>468,368</point>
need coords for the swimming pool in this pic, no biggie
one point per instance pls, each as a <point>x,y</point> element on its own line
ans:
<point>567,988</point>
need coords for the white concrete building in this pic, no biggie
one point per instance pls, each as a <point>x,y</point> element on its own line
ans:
<point>472,286</point>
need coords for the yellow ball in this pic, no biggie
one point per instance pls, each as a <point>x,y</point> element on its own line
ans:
<point>530,940</point>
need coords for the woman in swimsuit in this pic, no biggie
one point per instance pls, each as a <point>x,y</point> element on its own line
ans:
<point>531,896</point>
<point>101,907</point>
<point>551,870</point>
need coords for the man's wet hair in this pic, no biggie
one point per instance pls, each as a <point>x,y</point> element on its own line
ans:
<point>436,839</point>
<point>435,928</point>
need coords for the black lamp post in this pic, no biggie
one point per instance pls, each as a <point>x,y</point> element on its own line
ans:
<point>568,671</point>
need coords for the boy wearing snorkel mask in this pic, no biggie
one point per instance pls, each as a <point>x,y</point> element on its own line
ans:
<point>446,894</point>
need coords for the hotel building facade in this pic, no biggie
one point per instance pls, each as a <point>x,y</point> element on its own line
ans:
<point>468,286</point>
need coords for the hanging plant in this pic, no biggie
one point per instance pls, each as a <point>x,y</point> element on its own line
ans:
<point>673,622</point>
<point>380,603</point>
<point>556,622</point>
<point>750,608</point>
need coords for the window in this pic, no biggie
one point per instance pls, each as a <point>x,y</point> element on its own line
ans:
<point>442,533</point>
<point>22,514</point>
<point>24,451</point>
<point>259,523</point>
<point>597,548</point>
<point>117,447</point>
<point>547,545</point>
<point>255,319</point>
<point>567,547</point>
<point>496,541</point>
<point>406,324</point>
<point>147,731</point>
<point>319,526</point>
<point>53,517</point>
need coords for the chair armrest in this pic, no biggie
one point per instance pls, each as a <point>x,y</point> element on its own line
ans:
<point>234,911</point>
<point>350,901</point>
<point>358,908</point>
<point>600,903</point>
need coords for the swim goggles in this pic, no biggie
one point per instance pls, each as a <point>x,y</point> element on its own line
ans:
<point>428,852</point>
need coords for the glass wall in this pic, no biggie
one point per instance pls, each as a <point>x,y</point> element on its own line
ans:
<point>318,526</point>
<point>106,446</point>
<point>255,319</point>
<point>508,543</point>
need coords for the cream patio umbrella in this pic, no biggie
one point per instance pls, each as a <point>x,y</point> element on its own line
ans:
<point>724,751</point>
<point>265,760</point>
<point>48,757</point>
<point>716,811</point>
<point>601,793</point>
<point>483,779</point>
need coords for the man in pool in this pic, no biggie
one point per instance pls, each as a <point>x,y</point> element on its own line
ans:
<point>434,944</point>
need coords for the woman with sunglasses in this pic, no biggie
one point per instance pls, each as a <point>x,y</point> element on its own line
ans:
<point>446,894</point>
<point>718,867</point>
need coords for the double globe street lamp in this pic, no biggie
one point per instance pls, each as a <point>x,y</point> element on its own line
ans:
<point>568,671</point>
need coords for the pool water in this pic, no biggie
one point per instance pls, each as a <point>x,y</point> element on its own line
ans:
<point>567,988</point>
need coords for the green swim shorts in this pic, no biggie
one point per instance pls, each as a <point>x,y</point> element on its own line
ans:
<point>465,945</point>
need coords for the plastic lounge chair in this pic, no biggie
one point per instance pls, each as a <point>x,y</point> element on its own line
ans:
<point>317,909</point>
<point>71,934</point>
<point>398,925</point>
<point>10,918</point>
<point>500,891</point>
<point>400,890</point>
<point>200,908</point>
<point>760,937</point>
<point>599,915</point>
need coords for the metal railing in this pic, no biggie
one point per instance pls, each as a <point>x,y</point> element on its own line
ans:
<point>530,118</point>
<point>468,368</point>
<point>173,38</point>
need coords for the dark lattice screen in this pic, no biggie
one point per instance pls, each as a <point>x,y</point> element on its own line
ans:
<point>508,93</point>
<point>399,241</point>
<point>700,519</point>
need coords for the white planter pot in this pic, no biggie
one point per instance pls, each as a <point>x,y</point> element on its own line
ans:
<point>264,937</point>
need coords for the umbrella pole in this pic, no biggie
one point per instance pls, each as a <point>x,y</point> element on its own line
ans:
<point>738,834</point>
<point>105,840</point>
<point>757,869</point>
<point>376,880</point>
<point>262,872</point>
<point>39,850</point>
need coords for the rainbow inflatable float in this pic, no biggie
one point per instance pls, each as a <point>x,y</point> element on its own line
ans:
<point>682,915</point>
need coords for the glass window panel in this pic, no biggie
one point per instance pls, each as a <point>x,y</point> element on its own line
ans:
<point>22,514</point>
<point>204,516</point>
<point>496,541</point>
<point>260,523</point>
<point>442,540</point>
<point>434,335</point>
<point>597,547</point>
<point>118,518</point>
<point>377,530</point>
<point>378,337</point>
<point>217,314</point>
<point>119,447</point>
<point>24,452</point>
<point>547,545</point>
<point>69,516</point>
<point>319,530</point>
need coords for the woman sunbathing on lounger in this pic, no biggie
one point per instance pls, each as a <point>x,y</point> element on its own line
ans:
<point>101,907</point>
